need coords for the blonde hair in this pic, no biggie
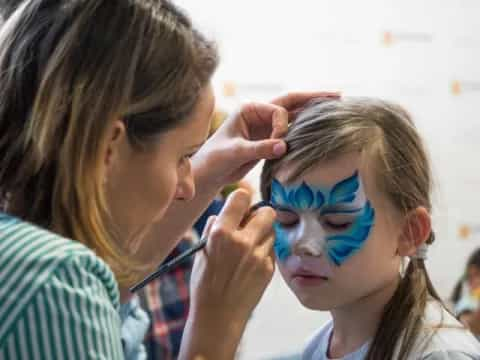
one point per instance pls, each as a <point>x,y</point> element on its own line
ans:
<point>386,134</point>
<point>68,68</point>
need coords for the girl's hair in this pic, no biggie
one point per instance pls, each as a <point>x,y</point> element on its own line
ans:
<point>68,68</point>
<point>473,260</point>
<point>385,135</point>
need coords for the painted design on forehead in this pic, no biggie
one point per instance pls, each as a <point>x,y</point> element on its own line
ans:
<point>338,247</point>
<point>306,197</point>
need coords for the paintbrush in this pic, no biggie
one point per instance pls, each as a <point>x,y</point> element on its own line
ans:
<point>165,268</point>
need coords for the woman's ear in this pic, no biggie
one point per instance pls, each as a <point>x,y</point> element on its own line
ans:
<point>115,140</point>
<point>415,231</point>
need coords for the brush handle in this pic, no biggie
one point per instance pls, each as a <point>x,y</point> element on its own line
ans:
<point>165,268</point>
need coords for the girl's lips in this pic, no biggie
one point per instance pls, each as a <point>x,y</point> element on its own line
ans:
<point>308,267</point>
<point>306,279</point>
<point>305,274</point>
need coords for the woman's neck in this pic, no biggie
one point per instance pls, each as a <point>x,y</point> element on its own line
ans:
<point>356,323</point>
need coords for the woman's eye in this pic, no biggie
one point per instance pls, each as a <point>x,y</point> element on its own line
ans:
<point>287,218</point>
<point>186,158</point>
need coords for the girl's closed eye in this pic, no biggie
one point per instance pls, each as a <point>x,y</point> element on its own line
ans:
<point>337,223</point>
<point>286,218</point>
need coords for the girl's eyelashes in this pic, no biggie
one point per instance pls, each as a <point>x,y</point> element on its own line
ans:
<point>337,226</point>
<point>287,218</point>
<point>337,223</point>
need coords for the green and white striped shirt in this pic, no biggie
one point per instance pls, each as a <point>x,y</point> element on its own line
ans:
<point>58,300</point>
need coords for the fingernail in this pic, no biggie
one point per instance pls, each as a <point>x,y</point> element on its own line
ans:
<point>279,148</point>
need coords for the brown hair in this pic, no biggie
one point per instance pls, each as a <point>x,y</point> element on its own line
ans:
<point>67,69</point>
<point>385,133</point>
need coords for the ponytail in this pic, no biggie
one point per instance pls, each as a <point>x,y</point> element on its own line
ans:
<point>402,319</point>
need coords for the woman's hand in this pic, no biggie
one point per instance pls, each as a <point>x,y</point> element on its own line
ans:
<point>252,134</point>
<point>229,278</point>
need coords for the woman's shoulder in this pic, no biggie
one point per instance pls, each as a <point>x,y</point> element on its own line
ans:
<point>58,280</point>
<point>444,337</point>
<point>31,257</point>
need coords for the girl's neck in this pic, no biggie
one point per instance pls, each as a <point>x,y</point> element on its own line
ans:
<point>356,323</point>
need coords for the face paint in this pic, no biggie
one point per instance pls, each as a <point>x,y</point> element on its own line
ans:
<point>308,225</point>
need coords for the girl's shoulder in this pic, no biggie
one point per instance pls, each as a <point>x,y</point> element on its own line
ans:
<point>318,342</point>
<point>444,337</point>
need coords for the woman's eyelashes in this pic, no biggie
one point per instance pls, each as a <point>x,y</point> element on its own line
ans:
<point>187,157</point>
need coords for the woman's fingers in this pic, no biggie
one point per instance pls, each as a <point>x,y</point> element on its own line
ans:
<point>260,229</point>
<point>263,149</point>
<point>208,226</point>
<point>294,100</point>
<point>232,214</point>
<point>260,224</point>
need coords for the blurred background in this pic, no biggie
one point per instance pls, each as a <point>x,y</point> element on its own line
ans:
<point>424,55</point>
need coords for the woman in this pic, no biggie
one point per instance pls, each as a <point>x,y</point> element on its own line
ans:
<point>103,105</point>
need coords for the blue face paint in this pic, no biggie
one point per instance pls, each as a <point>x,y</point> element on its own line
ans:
<point>345,198</point>
<point>281,245</point>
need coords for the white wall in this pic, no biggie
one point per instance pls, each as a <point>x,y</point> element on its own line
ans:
<point>422,54</point>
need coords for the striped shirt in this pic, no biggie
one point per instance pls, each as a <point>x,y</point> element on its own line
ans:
<point>58,300</point>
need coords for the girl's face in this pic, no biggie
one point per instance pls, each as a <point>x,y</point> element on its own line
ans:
<point>336,233</point>
<point>141,185</point>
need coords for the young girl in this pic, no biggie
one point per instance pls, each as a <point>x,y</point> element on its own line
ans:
<point>353,210</point>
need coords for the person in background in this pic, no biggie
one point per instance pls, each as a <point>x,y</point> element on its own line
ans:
<point>466,295</point>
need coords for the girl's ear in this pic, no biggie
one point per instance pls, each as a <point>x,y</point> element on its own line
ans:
<point>415,231</point>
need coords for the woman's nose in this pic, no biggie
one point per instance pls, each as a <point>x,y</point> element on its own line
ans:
<point>186,186</point>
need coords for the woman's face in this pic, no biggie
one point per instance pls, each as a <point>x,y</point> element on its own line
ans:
<point>336,237</point>
<point>141,184</point>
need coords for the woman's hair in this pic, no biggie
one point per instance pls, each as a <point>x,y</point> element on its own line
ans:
<point>68,68</point>
<point>473,260</point>
<point>385,136</point>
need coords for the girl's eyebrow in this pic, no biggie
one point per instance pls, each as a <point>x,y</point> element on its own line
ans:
<point>282,208</point>
<point>332,211</point>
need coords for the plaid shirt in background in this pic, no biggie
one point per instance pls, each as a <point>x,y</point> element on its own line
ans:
<point>166,300</point>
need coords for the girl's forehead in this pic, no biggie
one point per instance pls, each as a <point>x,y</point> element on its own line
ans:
<point>325,173</point>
